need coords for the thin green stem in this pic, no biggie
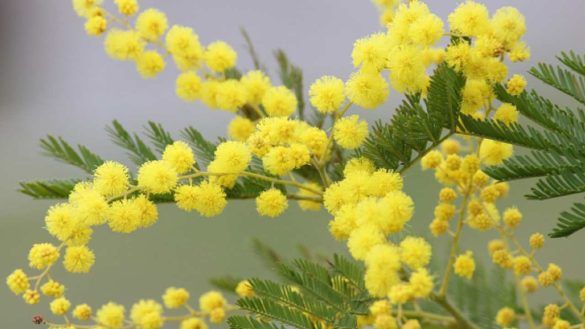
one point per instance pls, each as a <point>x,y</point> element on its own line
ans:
<point>442,301</point>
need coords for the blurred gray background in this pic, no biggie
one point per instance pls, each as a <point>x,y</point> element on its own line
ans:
<point>57,80</point>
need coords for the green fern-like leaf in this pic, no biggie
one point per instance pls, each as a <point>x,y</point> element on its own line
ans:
<point>292,77</point>
<point>204,149</point>
<point>83,158</point>
<point>54,189</point>
<point>277,312</point>
<point>159,137</point>
<point>561,79</point>
<point>136,148</point>
<point>247,322</point>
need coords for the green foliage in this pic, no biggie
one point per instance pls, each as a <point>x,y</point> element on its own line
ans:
<point>53,189</point>
<point>58,148</point>
<point>136,148</point>
<point>292,77</point>
<point>417,126</point>
<point>158,136</point>
<point>226,283</point>
<point>554,136</point>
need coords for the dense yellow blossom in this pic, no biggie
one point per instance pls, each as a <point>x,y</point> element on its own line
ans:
<point>147,314</point>
<point>78,259</point>
<point>415,252</point>
<point>279,102</point>
<point>127,7</point>
<point>327,94</point>
<point>193,323</point>
<point>241,128</point>
<point>175,297</point>
<point>515,85</point>
<point>506,113</point>
<point>180,156</point>
<point>211,300</point>
<point>494,153</point>
<point>149,64</point>
<point>96,25</point>
<point>151,24</point>
<point>42,255</point>
<point>367,89</point>
<point>188,86</point>
<point>111,315</point>
<point>219,56</point>
<point>465,265</point>
<point>82,312</point>
<point>157,177</point>
<point>505,316</point>
<point>17,281</point>
<point>271,203</point>
<point>244,289</point>
<point>53,289</point>
<point>349,132</point>
<point>60,306</point>
<point>123,45</point>
<point>111,178</point>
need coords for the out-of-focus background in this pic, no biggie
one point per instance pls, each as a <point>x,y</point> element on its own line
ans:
<point>57,80</point>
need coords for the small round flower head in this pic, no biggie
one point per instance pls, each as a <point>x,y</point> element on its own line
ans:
<point>562,324</point>
<point>385,321</point>
<point>60,306</point>
<point>367,89</point>
<point>407,70</point>
<point>111,179</point>
<point>279,102</point>
<point>327,94</point>
<point>147,209</point>
<point>506,113</point>
<point>240,128</point>
<point>31,297</point>
<point>233,156</point>
<point>53,289</point>
<point>316,140</point>
<point>469,19</point>
<point>151,24</point>
<point>193,323</point>
<point>17,281</point>
<point>508,25</point>
<point>505,317</point>
<point>188,86</point>
<point>465,265</point>
<point>421,283</point>
<point>512,217</point>
<point>555,271</point>
<point>125,216</point>
<point>211,300</point>
<point>344,223</point>
<point>529,284</point>
<point>244,289</point>
<point>256,84</point>
<point>400,293</point>
<point>516,85</point>
<point>185,47</point>
<point>357,165</point>
<point>431,160</point>
<point>123,45</point>
<point>149,64</point>
<point>78,259</point>
<point>450,146</point>
<point>279,161</point>
<point>363,239</point>
<point>536,241</point>
<point>219,56</point>
<point>217,315</point>
<point>175,297</point>
<point>427,30</point>
<point>415,252</point>
<point>231,95</point>
<point>91,208</point>
<point>157,177</point>
<point>447,194</point>
<point>82,312</point>
<point>271,203</point>
<point>551,314</point>
<point>349,132</point>
<point>493,152</point>
<point>371,52</point>
<point>147,314</point>
<point>502,258</point>
<point>84,7</point>
<point>208,198</point>
<point>127,7</point>
<point>438,227</point>
<point>111,315</point>
<point>382,182</point>
<point>520,52</point>
<point>522,265</point>
<point>380,307</point>
<point>42,255</point>
<point>382,265</point>
<point>96,25</point>
<point>411,324</point>
<point>180,156</point>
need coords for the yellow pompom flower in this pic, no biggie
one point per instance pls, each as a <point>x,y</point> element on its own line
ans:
<point>61,221</point>
<point>124,45</point>
<point>421,283</point>
<point>151,24</point>
<point>529,284</point>
<point>367,89</point>
<point>42,255</point>
<point>512,217</point>
<point>400,293</point>
<point>78,259</point>
<point>111,179</point>
<point>31,297</point>
<point>211,300</point>
<point>279,102</point>
<point>111,315</point>
<point>358,164</point>
<point>520,52</point>
<point>185,47</point>
<point>506,113</point>
<point>505,317</point>
<point>188,86</point>
<point>91,207</point>
<point>127,7</point>
<point>96,25</point>
<point>193,323</point>
<point>349,132</point>
<point>219,56</point>
<point>240,128</point>
<point>157,177</point>
<point>244,289</point>
<point>521,265</point>
<point>180,156</point>
<point>385,321</point>
<point>465,265</point>
<point>363,239</point>
<point>175,297</point>
<point>371,52</point>
<point>536,241</point>
<point>149,64</point>
<point>508,25</point>
<point>233,156</point>
<point>271,203</point>
<point>84,7</point>
<point>147,314</point>
<point>53,289</point>
<point>382,265</point>
<point>256,84</point>
<point>447,194</point>
<point>427,30</point>
<point>82,312</point>
<point>231,95</point>
<point>125,216</point>
<point>415,252</point>
<point>470,19</point>
<point>516,85</point>
<point>493,152</point>
<point>327,94</point>
<point>208,198</point>
<point>382,182</point>
<point>60,306</point>
<point>279,161</point>
<point>17,281</point>
<point>431,160</point>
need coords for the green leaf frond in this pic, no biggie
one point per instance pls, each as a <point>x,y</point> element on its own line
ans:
<point>136,148</point>
<point>292,77</point>
<point>53,189</point>
<point>564,79</point>
<point>158,136</point>
<point>57,148</point>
